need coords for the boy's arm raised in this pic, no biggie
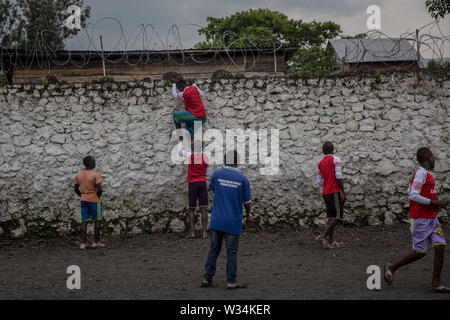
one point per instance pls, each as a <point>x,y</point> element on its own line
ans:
<point>175,94</point>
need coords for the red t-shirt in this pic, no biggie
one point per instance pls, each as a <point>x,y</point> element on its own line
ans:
<point>330,169</point>
<point>193,102</point>
<point>198,164</point>
<point>423,180</point>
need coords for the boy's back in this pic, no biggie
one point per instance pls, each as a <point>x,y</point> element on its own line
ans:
<point>88,179</point>
<point>197,167</point>
<point>231,189</point>
<point>193,101</point>
<point>330,170</point>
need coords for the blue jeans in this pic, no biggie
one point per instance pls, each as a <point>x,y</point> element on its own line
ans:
<point>232,243</point>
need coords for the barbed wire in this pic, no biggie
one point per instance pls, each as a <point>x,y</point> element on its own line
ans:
<point>411,47</point>
<point>146,46</point>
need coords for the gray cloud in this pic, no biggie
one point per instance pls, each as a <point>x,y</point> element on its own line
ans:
<point>397,16</point>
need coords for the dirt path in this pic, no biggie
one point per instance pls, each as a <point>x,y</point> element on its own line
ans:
<point>165,266</point>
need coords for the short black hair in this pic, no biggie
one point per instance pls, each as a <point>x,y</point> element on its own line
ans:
<point>181,84</point>
<point>423,154</point>
<point>327,147</point>
<point>231,158</point>
<point>87,161</point>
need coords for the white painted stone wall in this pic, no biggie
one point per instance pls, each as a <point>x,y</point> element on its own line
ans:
<point>376,127</point>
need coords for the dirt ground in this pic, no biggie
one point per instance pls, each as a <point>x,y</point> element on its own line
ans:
<point>289,265</point>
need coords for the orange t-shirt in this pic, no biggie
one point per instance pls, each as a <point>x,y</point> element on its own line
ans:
<point>88,179</point>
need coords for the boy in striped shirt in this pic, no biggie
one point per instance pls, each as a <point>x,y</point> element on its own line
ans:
<point>425,226</point>
<point>329,175</point>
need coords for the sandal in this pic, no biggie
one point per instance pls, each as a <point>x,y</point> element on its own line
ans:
<point>336,244</point>
<point>440,289</point>
<point>190,236</point>
<point>388,274</point>
<point>236,286</point>
<point>323,241</point>
<point>206,283</point>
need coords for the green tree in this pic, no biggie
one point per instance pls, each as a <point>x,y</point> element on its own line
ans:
<point>263,26</point>
<point>35,25</point>
<point>312,62</point>
<point>27,24</point>
<point>438,8</point>
<point>46,20</point>
<point>9,19</point>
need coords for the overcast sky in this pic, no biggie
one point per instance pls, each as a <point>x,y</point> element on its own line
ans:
<point>397,17</point>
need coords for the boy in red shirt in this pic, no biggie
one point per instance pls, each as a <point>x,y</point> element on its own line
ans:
<point>329,175</point>
<point>195,109</point>
<point>425,226</point>
<point>88,185</point>
<point>198,170</point>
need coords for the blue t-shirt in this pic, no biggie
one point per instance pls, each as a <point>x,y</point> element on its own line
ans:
<point>231,189</point>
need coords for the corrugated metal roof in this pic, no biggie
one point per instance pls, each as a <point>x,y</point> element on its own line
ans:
<point>373,50</point>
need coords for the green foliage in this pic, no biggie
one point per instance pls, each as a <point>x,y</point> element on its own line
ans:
<point>106,79</point>
<point>260,27</point>
<point>434,64</point>
<point>263,28</point>
<point>58,88</point>
<point>438,8</point>
<point>375,82</point>
<point>24,21</point>
<point>3,80</point>
<point>9,20</point>
<point>312,62</point>
<point>378,78</point>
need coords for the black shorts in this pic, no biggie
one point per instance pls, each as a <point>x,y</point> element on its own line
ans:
<point>198,190</point>
<point>333,203</point>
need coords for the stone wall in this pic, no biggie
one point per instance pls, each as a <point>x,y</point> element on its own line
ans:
<point>376,123</point>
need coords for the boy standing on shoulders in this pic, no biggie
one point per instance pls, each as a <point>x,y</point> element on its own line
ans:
<point>425,226</point>
<point>329,175</point>
<point>88,186</point>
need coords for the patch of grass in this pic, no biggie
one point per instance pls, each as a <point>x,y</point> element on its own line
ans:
<point>373,84</point>
<point>42,229</point>
<point>3,80</point>
<point>58,88</point>
<point>46,84</point>
<point>106,80</point>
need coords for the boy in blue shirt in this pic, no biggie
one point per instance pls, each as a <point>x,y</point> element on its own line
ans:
<point>231,189</point>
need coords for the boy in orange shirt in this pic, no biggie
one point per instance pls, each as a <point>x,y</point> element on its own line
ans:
<point>88,186</point>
